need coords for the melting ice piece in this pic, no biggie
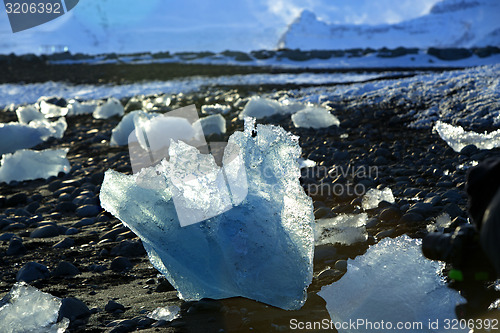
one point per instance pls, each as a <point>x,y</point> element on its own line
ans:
<point>373,197</point>
<point>457,138</point>
<point>120,134</point>
<point>260,249</point>
<point>52,110</point>
<point>25,114</point>
<point>27,309</point>
<point>392,282</point>
<point>344,229</point>
<point>258,107</point>
<point>442,221</point>
<point>110,108</point>
<point>76,108</point>
<point>215,109</point>
<point>306,163</point>
<point>15,136</point>
<point>314,117</point>
<point>167,313</point>
<point>31,164</point>
<point>214,124</point>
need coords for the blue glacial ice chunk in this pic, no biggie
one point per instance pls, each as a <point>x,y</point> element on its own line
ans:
<point>457,138</point>
<point>25,114</point>
<point>27,309</point>
<point>392,282</point>
<point>259,107</point>
<point>31,164</point>
<point>261,248</point>
<point>167,313</point>
<point>215,109</point>
<point>314,117</point>
<point>76,108</point>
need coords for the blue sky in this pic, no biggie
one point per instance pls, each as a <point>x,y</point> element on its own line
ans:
<point>132,25</point>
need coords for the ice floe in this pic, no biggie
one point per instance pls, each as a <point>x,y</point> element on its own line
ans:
<point>27,309</point>
<point>31,164</point>
<point>457,138</point>
<point>392,282</point>
<point>261,248</point>
<point>345,229</point>
<point>373,197</point>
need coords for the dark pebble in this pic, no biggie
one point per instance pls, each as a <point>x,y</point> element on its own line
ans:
<point>16,247</point>
<point>410,218</point>
<point>164,286</point>
<point>128,248</point>
<point>64,244</point>
<point>469,150</point>
<point>32,207</point>
<point>32,271</point>
<point>120,264</point>
<point>6,236</point>
<point>16,199</point>
<point>71,231</point>
<point>84,222</point>
<point>65,268</point>
<point>88,211</point>
<point>112,306</point>
<point>73,308</point>
<point>45,232</point>
<point>66,207</point>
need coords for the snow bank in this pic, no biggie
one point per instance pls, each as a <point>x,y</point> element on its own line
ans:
<point>392,282</point>
<point>457,138</point>
<point>30,164</point>
<point>344,229</point>
<point>373,197</point>
<point>27,309</point>
<point>261,248</point>
<point>112,107</point>
<point>314,117</point>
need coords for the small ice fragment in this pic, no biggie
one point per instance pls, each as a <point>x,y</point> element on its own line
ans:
<point>27,309</point>
<point>52,110</point>
<point>31,164</point>
<point>76,108</point>
<point>314,117</point>
<point>373,197</point>
<point>112,107</point>
<point>120,134</point>
<point>306,163</point>
<point>258,107</point>
<point>54,129</point>
<point>392,282</point>
<point>457,138</point>
<point>442,221</point>
<point>344,229</point>
<point>214,124</point>
<point>25,114</point>
<point>167,313</point>
<point>215,109</point>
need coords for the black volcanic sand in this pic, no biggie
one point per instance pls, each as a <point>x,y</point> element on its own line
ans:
<point>413,163</point>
